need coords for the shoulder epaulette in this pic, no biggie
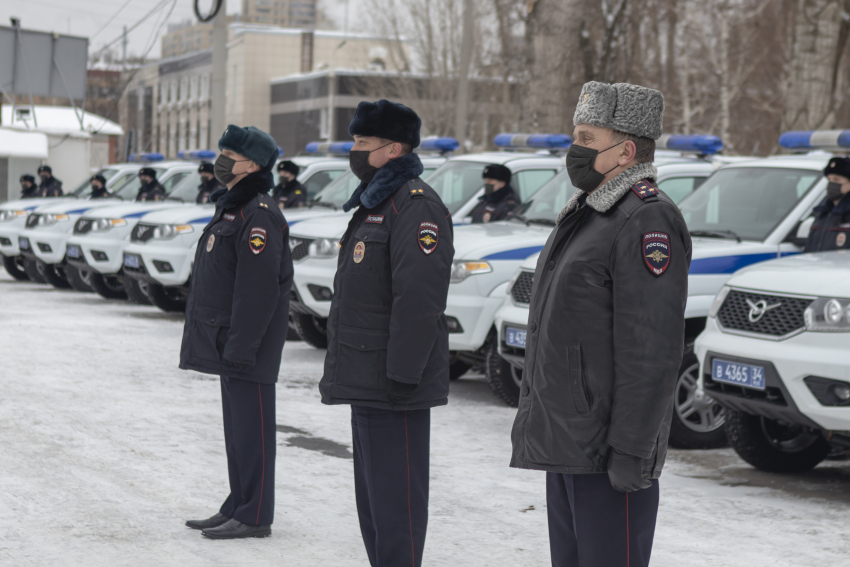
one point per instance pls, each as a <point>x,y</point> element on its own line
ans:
<point>645,189</point>
<point>417,192</point>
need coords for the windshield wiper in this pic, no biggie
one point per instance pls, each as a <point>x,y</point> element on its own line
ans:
<point>716,234</point>
<point>174,198</point>
<point>519,216</point>
<point>548,222</point>
<point>323,204</point>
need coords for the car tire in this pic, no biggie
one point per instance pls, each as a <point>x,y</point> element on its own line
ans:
<point>137,291</point>
<point>292,331</point>
<point>55,276</point>
<point>313,330</point>
<point>34,271</point>
<point>697,418</point>
<point>503,378</point>
<point>457,367</point>
<point>166,299</point>
<point>79,279</point>
<point>15,267</point>
<point>770,446</point>
<point>108,287</point>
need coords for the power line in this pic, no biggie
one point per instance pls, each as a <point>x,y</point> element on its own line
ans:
<point>115,15</point>
<point>131,28</point>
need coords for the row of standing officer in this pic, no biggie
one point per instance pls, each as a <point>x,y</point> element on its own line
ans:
<point>49,187</point>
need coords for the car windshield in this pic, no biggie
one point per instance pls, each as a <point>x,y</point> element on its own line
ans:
<point>84,188</point>
<point>544,205</point>
<point>456,181</point>
<point>187,188</point>
<point>339,191</point>
<point>129,187</point>
<point>745,202</point>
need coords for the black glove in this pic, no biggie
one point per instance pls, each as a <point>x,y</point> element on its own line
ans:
<point>624,472</point>
<point>401,390</point>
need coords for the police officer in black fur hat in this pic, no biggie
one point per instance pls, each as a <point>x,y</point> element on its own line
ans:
<point>98,187</point>
<point>50,186</point>
<point>236,323</point>
<point>831,229</point>
<point>288,193</point>
<point>28,187</point>
<point>209,184</point>
<point>388,349</point>
<point>150,189</point>
<point>499,198</point>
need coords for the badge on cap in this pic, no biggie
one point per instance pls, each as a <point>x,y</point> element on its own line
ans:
<point>429,235</point>
<point>656,252</point>
<point>840,239</point>
<point>359,252</point>
<point>257,239</point>
<point>210,242</point>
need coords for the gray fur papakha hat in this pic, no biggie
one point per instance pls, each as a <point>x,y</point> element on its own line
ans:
<point>627,108</point>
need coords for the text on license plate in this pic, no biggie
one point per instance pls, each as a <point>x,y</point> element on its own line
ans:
<point>131,261</point>
<point>74,251</point>
<point>24,243</point>
<point>738,374</point>
<point>515,337</point>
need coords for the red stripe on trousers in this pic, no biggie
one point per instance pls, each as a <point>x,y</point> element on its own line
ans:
<point>409,512</point>
<point>263,439</point>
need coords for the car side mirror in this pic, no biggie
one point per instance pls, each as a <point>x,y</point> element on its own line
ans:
<point>803,230</point>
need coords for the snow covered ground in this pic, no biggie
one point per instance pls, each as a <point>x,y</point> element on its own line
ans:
<point>106,448</point>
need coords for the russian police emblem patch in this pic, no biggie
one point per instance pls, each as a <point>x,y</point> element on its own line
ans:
<point>656,252</point>
<point>429,235</point>
<point>257,239</point>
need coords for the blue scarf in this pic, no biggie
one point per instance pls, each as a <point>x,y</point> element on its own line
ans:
<point>251,186</point>
<point>386,182</point>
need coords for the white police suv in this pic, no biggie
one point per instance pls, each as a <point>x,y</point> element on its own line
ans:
<point>746,212</point>
<point>459,184</point>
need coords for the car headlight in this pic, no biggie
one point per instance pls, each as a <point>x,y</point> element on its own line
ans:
<point>47,220</point>
<point>718,301</point>
<point>462,269</point>
<point>828,315</point>
<point>167,231</point>
<point>11,215</point>
<point>101,225</point>
<point>324,248</point>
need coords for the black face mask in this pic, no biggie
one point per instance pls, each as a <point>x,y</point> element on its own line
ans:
<point>358,160</point>
<point>833,191</point>
<point>44,177</point>
<point>223,168</point>
<point>580,160</point>
<point>489,188</point>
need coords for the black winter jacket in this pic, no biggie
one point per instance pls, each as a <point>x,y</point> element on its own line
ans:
<point>496,206</point>
<point>237,314</point>
<point>290,195</point>
<point>386,323</point>
<point>207,189</point>
<point>50,188</point>
<point>831,229</point>
<point>606,331</point>
<point>153,191</point>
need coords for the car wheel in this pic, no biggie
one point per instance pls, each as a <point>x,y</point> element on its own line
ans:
<point>79,279</point>
<point>313,330</point>
<point>504,379</point>
<point>167,299</point>
<point>15,267</point>
<point>136,290</point>
<point>697,418</point>
<point>292,331</point>
<point>457,367</point>
<point>34,271</point>
<point>55,276</point>
<point>775,447</point>
<point>108,287</point>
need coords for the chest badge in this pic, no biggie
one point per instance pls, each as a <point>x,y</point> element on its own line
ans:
<point>840,239</point>
<point>656,252</point>
<point>210,242</point>
<point>429,236</point>
<point>359,252</point>
<point>257,239</point>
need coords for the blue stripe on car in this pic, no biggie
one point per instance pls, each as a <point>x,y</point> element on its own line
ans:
<point>77,211</point>
<point>202,219</point>
<point>515,254</point>
<point>137,215</point>
<point>727,264</point>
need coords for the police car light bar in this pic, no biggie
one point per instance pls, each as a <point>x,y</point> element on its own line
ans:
<point>197,154</point>
<point>279,151</point>
<point>146,157</point>
<point>816,140</point>
<point>333,148</point>
<point>533,141</point>
<point>698,143</point>
<point>438,144</point>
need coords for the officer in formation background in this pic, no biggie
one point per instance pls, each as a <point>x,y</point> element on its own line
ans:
<point>236,324</point>
<point>605,337</point>
<point>288,193</point>
<point>28,187</point>
<point>209,184</point>
<point>499,198</point>
<point>98,187</point>
<point>150,189</point>
<point>50,186</point>
<point>831,228</point>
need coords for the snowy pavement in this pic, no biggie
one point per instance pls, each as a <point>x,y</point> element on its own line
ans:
<point>106,448</point>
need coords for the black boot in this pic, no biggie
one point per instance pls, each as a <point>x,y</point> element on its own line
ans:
<point>213,522</point>
<point>234,529</point>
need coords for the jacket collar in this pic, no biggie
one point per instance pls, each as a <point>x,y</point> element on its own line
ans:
<point>497,196</point>
<point>827,206</point>
<point>386,182</point>
<point>251,186</point>
<point>608,194</point>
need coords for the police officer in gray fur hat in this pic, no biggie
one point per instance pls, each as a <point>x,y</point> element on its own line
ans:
<point>605,337</point>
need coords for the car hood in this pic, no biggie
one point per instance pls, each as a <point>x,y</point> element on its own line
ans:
<point>503,240</point>
<point>825,274</point>
<point>131,210</point>
<point>294,216</point>
<point>30,204</point>
<point>329,226</point>
<point>77,206</point>
<point>186,214</point>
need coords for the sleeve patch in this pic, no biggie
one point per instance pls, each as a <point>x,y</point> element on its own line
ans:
<point>656,252</point>
<point>257,239</point>
<point>428,236</point>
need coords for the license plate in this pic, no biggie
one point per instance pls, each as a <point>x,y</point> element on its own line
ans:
<point>738,374</point>
<point>131,261</point>
<point>23,243</point>
<point>74,251</point>
<point>515,337</point>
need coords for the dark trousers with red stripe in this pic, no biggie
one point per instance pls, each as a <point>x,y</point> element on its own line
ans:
<point>593,525</point>
<point>391,474</point>
<point>249,437</point>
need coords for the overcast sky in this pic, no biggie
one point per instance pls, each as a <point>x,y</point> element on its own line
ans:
<point>87,18</point>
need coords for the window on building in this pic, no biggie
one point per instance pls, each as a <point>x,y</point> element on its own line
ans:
<point>173,92</point>
<point>184,89</point>
<point>205,87</point>
<point>163,93</point>
<point>193,88</point>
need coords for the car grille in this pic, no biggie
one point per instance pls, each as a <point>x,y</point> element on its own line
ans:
<point>521,292</point>
<point>299,247</point>
<point>777,322</point>
<point>83,226</point>
<point>142,232</point>
<point>32,220</point>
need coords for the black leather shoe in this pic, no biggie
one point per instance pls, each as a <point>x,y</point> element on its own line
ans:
<point>234,529</point>
<point>213,522</point>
